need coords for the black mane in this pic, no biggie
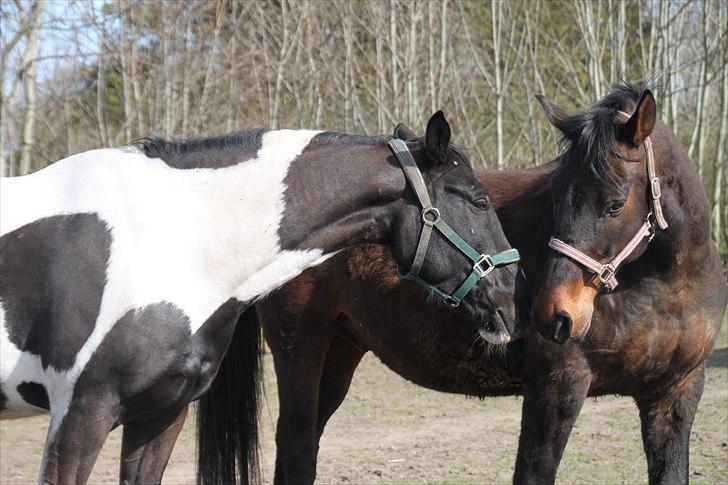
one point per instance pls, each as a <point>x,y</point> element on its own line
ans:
<point>590,136</point>
<point>352,139</point>
<point>226,150</point>
<point>211,152</point>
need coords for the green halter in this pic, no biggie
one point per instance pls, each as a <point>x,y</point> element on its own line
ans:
<point>482,263</point>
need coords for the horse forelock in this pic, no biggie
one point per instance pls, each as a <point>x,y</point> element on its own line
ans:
<point>590,137</point>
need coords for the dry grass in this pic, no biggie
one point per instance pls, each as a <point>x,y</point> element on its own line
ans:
<point>391,431</point>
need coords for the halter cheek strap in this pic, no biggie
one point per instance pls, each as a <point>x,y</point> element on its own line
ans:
<point>483,264</point>
<point>606,273</point>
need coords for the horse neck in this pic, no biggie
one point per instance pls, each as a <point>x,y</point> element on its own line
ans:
<point>522,201</point>
<point>304,197</point>
<point>339,194</point>
<point>685,242</point>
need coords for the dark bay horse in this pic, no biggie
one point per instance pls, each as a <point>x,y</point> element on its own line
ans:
<point>124,270</point>
<point>648,338</point>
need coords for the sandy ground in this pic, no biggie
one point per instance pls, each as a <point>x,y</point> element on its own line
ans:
<point>391,431</point>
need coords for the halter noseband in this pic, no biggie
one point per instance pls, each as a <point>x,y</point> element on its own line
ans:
<point>606,273</point>
<point>483,264</point>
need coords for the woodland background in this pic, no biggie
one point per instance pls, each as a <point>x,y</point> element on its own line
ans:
<point>88,73</point>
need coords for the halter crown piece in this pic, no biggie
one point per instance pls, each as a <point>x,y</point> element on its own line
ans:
<point>606,273</point>
<point>483,264</point>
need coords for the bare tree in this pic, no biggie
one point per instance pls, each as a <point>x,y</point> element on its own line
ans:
<point>29,70</point>
<point>138,68</point>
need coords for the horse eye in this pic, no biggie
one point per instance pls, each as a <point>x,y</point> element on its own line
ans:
<point>614,208</point>
<point>481,204</point>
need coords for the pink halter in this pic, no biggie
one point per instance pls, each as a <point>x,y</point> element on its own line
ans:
<point>606,273</point>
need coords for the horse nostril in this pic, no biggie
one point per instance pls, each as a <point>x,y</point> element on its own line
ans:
<point>561,325</point>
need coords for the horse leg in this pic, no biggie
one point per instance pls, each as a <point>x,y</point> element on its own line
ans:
<point>74,443</point>
<point>298,369</point>
<point>667,419</point>
<point>146,447</point>
<point>555,388</point>
<point>341,361</point>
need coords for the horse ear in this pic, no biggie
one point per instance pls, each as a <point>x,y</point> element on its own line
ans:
<point>640,124</point>
<point>403,133</point>
<point>555,115</point>
<point>437,137</point>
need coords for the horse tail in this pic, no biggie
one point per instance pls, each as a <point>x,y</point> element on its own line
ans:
<point>227,414</point>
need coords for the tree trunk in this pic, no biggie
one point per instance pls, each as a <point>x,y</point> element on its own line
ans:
<point>30,69</point>
<point>135,81</point>
<point>496,21</point>
<point>124,49</point>
<point>719,169</point>
<point>381,121</point>
<point>700,101</point>
<point>101,96</point>
<point>431,54</point>
<point>393,63</point>
<point>443,54</point>
<point>347,72</point>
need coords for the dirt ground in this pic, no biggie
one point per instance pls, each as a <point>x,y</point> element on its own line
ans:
<point>391,431</point>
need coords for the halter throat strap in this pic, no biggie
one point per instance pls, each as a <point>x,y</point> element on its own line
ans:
<point>483,264</point>
<point>606,273</point>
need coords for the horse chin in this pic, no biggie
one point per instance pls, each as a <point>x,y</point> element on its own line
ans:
<point>497,333</point>
<point>494,337</point>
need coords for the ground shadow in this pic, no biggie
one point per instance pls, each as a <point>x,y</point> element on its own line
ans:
<point>718,358</point>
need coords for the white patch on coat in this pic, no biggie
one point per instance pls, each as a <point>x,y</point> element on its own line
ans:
<point>17,366</point>
<point>193,238</point>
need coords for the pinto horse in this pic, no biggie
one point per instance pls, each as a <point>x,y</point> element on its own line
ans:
<point>648,338</point>
<point>124,270</point>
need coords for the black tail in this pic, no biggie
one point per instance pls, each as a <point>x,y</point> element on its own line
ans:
<point>227,415</point>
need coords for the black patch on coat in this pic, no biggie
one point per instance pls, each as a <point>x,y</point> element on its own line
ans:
<point>153,362</point>
<point>3,399</point>
<point>53,276</point>
<point>212,152</point>
<point>34,394</point>
<point>317,177</point>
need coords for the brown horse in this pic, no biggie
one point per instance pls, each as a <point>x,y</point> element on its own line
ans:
<point>632,341</point>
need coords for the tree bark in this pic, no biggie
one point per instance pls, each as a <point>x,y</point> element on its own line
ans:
<point>393,62</point>
<point>496,24</point>
<point>101,96</point>
<point>124,53</point>
<point>30,70</point>
<point>719,169</point>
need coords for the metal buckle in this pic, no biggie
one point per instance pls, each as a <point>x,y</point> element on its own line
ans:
<point>451,301</point>
<point>653,232</point>
<point>655,187</point>
<point>477,267</point>
<point>434,212</point>
<point>606,274</point>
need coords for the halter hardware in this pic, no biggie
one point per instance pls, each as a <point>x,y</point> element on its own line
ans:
<point>477,267</point>
<point>430,211</point>
<point>606,273</point>
<point>483,264</point>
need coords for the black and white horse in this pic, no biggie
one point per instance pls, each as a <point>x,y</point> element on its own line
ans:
<point>123,270</point>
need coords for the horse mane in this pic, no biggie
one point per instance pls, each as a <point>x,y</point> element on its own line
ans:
<point>590,136</point>
<point>352,139</point>
<point>209,152</point>
<point>230,149</point>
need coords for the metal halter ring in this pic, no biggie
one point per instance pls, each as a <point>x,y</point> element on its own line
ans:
<point>434,212</point>
<point>478,268</point>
